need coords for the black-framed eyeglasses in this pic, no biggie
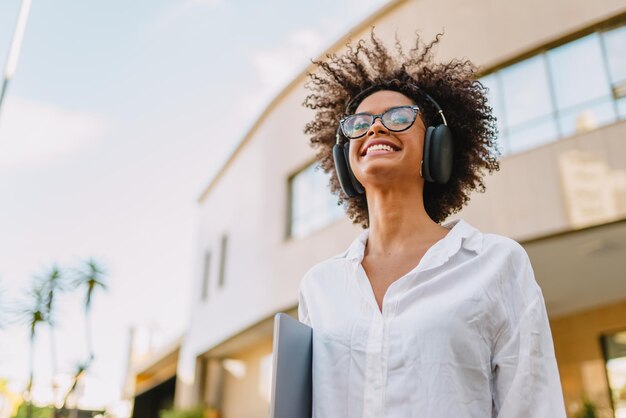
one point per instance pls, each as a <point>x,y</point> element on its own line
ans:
<point>396,119</point>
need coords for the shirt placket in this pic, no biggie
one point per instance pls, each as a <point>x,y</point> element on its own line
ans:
<point>377,348</point>
<point>374,370</point>
<point>376,363</point>
<point>389,311</point>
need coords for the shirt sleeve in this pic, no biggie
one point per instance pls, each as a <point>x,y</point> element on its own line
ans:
<point>303,311</point>
<point>525,376</point>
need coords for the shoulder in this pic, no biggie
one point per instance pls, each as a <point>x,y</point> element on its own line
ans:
<point>504,248</point>
<point>329,270</point>
<point>334,270</point>
<point>511,290</point>
<point>515,278</point>
<point>492,248</point>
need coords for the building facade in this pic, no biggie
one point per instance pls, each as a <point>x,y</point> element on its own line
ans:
<point>150,379</point>
<point>556,74</point>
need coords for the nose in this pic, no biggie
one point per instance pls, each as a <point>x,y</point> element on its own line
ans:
<point>377,127</point>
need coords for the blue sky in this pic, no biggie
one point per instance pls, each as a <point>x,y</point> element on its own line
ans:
<point>117,117</point>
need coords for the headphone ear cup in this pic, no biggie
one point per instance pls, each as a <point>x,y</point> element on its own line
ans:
<point>426,159</point>
<point>441,154</point>
<point>342,171</point>
<point>358,187</point>
<point>341,157</point>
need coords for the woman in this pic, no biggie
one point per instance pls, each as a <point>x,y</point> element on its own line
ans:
<point>416,318</point>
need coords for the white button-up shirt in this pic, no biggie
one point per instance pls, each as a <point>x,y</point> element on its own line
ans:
<point>463,334</point>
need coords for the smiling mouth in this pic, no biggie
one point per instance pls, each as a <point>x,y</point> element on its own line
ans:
<point>377,149</point>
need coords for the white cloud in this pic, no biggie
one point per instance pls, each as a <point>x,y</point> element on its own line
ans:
<point>276,66</point>
<point>34,133</point>
<point>207,2</point>
<point>174,13</point>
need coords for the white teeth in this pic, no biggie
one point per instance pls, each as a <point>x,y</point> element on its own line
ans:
<point>379,147</point>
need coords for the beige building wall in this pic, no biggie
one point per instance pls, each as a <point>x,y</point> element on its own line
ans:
<point>247,396</point>
<point>579,353</point>
<point>569,184</point>
<point>248,200</point>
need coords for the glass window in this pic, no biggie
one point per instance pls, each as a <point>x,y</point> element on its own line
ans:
<point>581,85</point>
<point>586,117</point>
<point>205,275</point>
<point>577,72</point>
<point>615,47</point>
<point>614,348</point>
<point>223,249</point>
<point>573,88</point>
<point>312,206</point>
<point>528,104</point>
<point>621,108</point>
<point>615,44</point>
<point>526,92</point>
<point>495,101</point>
<point>532,134</point>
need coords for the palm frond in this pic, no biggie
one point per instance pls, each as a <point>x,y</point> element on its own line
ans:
<point>53,282</point>
<point>91,276</point>
<point>33,311</point>
<point>81,369</point>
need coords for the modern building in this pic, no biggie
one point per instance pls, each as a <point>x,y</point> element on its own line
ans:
<point>150,380</point>
<point>557,77</point>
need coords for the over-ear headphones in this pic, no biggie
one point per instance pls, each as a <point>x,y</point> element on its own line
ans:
<point>437,155</point>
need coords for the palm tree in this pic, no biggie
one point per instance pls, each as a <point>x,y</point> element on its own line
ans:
<point>90,277</point>
<point>33,313</point>
<point>53,283</point>
<point>81,369</point>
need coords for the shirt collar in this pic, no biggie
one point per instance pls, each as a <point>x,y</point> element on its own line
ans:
<point>461,234</point>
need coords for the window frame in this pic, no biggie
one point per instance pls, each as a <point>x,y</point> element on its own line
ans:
<point>206,275</point>
<point>600,28</point>
<point>290,196</point>
<point>222,269</point>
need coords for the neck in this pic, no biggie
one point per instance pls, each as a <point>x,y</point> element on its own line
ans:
<point>399,222</point>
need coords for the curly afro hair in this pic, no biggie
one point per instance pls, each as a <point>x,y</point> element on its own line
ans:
<point>370,66</point>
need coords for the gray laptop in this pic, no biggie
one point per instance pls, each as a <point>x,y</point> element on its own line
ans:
<point>292,384</point>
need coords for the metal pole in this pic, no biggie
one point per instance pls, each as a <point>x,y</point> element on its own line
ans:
<point>5,83</point>
<point>14,50</point>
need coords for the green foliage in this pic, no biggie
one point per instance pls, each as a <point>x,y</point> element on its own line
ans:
<point>90,277</point>
<point>38,412</point>
<point>52,284</point>
<point>39,308</point>
<point>81,369</point>
<point>588,411</point>
<point>33,311</point>
<point>197,412</point>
